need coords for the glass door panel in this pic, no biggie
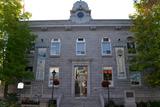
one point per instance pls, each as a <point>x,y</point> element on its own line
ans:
<point>81,76</point>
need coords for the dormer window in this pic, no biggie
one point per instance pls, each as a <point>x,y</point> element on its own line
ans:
<point>106,46</point>
<point>80,46</point>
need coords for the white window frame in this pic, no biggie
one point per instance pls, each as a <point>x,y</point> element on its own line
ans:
<point>55,40</point>
<point>51,69</point>
<point>108,68</point>
<point>102,49</point>
<point>84,42</point>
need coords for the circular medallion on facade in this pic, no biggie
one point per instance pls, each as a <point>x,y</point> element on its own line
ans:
<point>80,14</point>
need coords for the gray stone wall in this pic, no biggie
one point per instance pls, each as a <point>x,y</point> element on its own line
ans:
<point>118,36</point>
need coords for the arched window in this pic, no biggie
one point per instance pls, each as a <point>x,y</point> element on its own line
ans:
<point>55,46</point>
<point>131,45</point>
<point>106,47</point>
<point>80,46</point>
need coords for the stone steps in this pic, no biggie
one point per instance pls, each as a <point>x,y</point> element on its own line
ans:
<point>80,102</point>
<point>124,83</point>
<point>37,87</point>
<point>130,104</point>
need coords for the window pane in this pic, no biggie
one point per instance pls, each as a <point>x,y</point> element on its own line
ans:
<point>106,48</point>
<point>56,69</point>
<point>131,47</point>
<point>80,48</point>
<point>55,48</point>
<point>80,39</point>
<point>107,74</point>
<point>106,39</point>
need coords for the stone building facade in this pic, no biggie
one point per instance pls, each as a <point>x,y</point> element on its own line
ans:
<point>83,52</point>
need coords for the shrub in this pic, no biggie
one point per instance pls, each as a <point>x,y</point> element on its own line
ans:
<point>149,104</point>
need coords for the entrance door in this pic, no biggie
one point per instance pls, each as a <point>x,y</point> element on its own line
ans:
<point>80,80</point>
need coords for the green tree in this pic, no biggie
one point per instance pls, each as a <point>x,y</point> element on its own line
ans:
<point>15,41</point>
<point>146,29</point>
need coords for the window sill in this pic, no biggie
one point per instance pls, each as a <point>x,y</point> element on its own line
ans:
<point>136,85</point>
<point>80,54</point>
<point>55,86</point>
<point>54,56</point>
<point>110,87</point>
<point>131,54</point>
<point>109,55</point>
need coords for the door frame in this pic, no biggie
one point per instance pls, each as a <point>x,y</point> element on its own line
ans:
<point>73,77</point>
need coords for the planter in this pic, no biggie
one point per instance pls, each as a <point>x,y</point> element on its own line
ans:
<point>105,83</point>
<point>52,103</point>
<point>56,82</point>
<point>30,102</point>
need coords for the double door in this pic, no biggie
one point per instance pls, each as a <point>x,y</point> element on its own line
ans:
<point>80,80</point>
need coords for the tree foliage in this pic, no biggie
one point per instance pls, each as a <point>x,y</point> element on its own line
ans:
<point>15,41</point>
<point>146,29</point>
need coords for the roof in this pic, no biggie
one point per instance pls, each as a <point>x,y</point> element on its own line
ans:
<point>63,23</point>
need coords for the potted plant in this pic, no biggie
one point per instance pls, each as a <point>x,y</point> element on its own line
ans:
<point>52,103</point>
<point>56,82</point>
<point>29,101</point>
<point>105,83</point>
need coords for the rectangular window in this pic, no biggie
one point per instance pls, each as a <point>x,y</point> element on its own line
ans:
<point>107,75</point>
<point>55,47</point>
<point>80,46</point>
<point>51,69</point>
<point>131,48</point>
<point>135,78</point>
<point>41,63</point>
<point>106,46</point>
<point>131,45</point>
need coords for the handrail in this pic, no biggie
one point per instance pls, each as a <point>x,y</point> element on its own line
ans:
<point>59,99</point>
<point>101,100</point>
